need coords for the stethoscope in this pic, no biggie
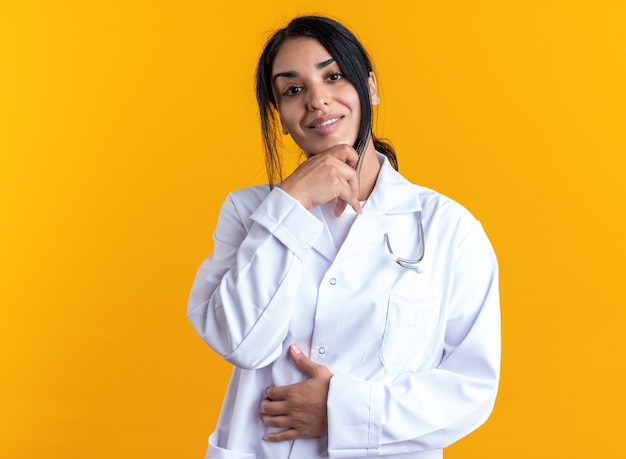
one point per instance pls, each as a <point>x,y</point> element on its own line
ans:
<point>409,263</point>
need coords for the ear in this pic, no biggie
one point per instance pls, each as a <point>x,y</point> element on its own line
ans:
<point>371,82</point>
<point>284,127</point>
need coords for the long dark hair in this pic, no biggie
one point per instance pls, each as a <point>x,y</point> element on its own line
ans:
<point>355,64</point>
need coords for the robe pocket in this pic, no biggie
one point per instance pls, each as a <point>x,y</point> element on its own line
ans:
<point>216,452</point>
<point>410,331</point>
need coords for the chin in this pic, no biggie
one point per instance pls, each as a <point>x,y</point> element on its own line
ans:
<point>324,147</point>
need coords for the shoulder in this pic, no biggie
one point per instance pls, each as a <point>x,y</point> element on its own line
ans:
<point>240,204</point>
<point>401,194</point>
<point>442,215</point>
<point>447,219</point>
<point>436,203</point>
<point>246,200</point>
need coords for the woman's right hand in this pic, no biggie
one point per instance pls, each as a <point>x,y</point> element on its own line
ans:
<point>326,177</point>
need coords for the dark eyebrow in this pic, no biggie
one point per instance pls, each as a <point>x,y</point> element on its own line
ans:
<point>325,63</point>
<point>292,74</point>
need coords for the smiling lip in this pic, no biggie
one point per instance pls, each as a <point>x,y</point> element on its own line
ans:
<point>327,121</point>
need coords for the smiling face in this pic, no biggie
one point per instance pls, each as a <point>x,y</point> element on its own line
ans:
<point>318,106</point>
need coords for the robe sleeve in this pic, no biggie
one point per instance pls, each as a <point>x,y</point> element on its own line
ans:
<point>243,295</point>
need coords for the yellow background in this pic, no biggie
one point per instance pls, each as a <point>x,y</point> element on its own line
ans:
<point>123,124</point>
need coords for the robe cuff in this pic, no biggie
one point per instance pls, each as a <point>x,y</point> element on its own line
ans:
<point>293,225</point>
<point>354,417</point>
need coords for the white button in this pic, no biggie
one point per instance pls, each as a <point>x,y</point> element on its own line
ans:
<point>332,281</point>
<point>322,350</point>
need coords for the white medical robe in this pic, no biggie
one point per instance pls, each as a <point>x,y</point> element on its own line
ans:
<point>414,353</point>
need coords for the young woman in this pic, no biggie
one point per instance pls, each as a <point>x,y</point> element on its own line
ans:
<point>360,311</point>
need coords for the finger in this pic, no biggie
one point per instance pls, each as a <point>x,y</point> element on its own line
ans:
<point>280,422</point>
<point>285,435</point>
<point>301,360</point>
<point>349,191</point>
<point>275,393</point>
<point>345,153</point>
<point>352,158</point>
<point>273,408</point>
<point>350,198</point>
<point>340,207</point>
<point>355,189</point>
<point>306,365</point>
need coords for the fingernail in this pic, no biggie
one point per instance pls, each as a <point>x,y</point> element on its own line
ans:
<point>295,349</point>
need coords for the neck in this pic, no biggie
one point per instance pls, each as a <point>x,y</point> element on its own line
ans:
<point>368,171</point>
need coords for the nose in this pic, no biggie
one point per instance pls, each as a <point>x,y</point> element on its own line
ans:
<point>317,97</point>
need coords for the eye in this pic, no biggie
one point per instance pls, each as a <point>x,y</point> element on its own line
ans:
<point>335,76</point>
<point>291,91</point>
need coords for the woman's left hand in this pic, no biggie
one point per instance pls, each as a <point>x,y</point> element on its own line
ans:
<point>298,408</point>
